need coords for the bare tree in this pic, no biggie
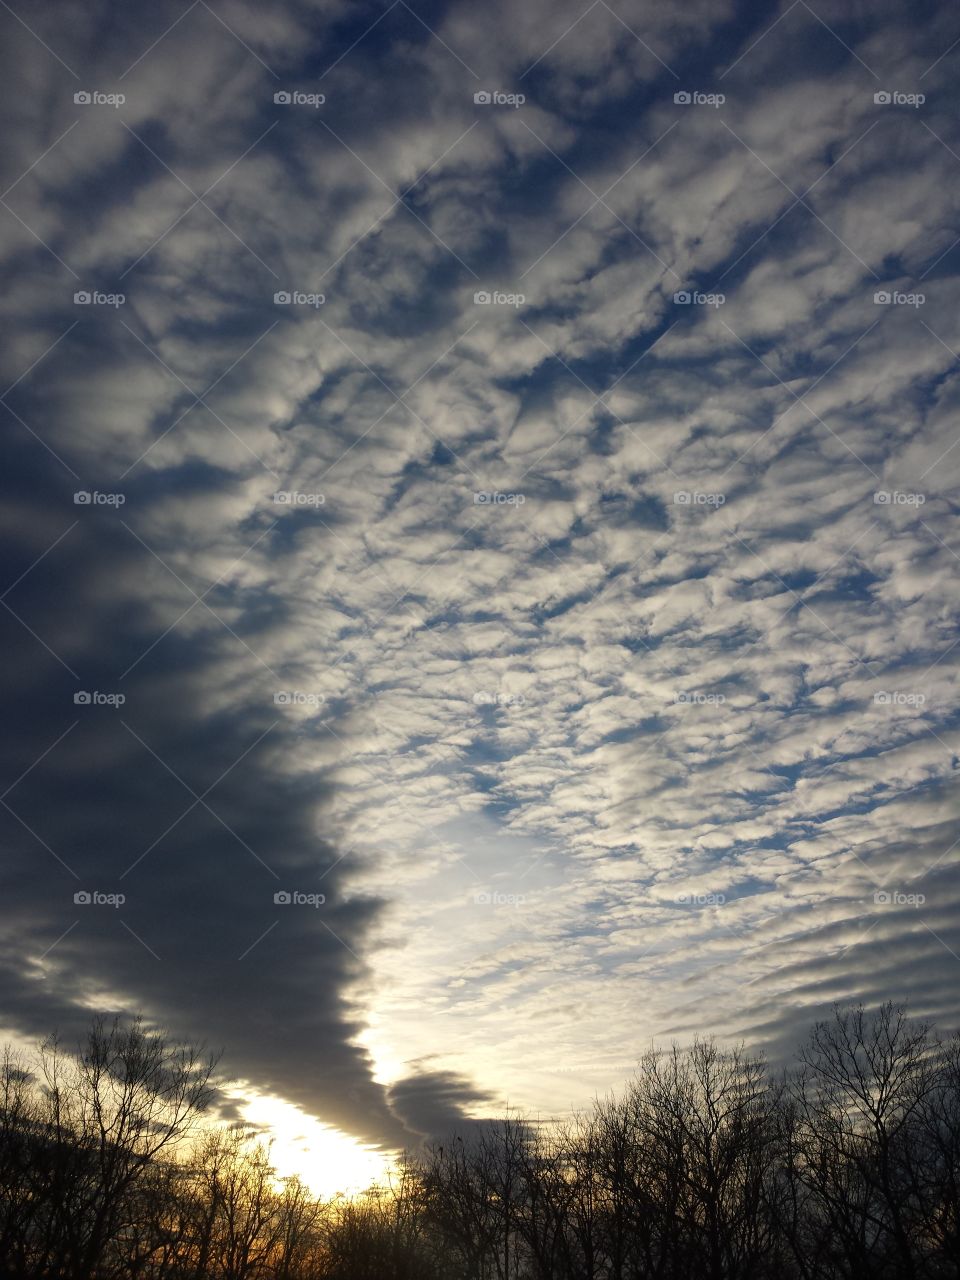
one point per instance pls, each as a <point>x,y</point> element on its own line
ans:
<point>705,1167</point>
<point>705,1126</point>
<point>19,1127</point>
<point>127,1098</point>
<point>860,1098</point>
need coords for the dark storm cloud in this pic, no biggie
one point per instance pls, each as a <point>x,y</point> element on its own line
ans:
<point>434,1103</point>
<point>190,803</point>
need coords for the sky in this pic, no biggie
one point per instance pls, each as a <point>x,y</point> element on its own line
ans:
<point>479,561</point>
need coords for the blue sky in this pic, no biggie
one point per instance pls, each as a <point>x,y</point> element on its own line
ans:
<point>561,583</point>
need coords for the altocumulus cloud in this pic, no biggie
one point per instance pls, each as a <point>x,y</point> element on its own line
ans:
<point>479,547</point>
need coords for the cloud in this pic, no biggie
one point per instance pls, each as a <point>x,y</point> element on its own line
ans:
<point>598,668</point>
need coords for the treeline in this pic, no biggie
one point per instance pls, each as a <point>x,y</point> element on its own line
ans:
<point>706,1166</point>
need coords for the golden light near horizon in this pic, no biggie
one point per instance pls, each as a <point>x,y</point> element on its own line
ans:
<point>326,1159</point>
